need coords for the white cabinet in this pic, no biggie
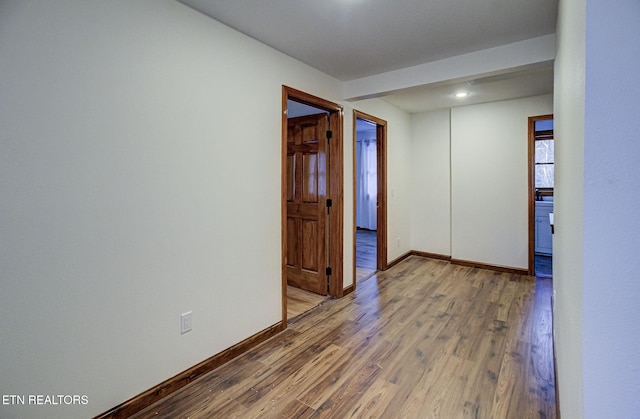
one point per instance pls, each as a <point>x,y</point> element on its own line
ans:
<point>543,227</point>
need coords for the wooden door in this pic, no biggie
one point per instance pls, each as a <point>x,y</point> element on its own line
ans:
<point>306,202</point>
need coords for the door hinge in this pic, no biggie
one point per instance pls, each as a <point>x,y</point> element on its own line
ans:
<point>329,203</point>
<point>328,281</point>
<point>328,270</point>
<point>329,135</point>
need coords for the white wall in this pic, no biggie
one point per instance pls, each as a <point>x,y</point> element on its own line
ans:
<point>568,264</point>
<point>611,291</point>
<point>612,183</point>
<point>597,227</point>
<point>133,190</point>
<point>489,180</point>
<point>469,181</point>
<point>431,182</point>
<point>347,250</point>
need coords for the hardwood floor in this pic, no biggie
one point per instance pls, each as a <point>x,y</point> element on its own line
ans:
<point>543,266</point>
<point>365,253</point>
<point>300,301</point>
<point>425,339</point>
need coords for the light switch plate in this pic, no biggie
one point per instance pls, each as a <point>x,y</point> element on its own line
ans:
<point>185,322</point>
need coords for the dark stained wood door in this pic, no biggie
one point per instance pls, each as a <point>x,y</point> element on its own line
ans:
<point>306,202</point>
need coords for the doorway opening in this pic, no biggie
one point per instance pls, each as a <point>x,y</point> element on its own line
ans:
<point>541,197</point>
<point>370,204</point>
<point>312,203</point>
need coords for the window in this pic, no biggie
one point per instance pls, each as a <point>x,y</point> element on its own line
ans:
<point>544,164</point>
<point>544,158</point>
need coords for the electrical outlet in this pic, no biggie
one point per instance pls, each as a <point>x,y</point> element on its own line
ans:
<point>185,322</point>
<point>398,242</point>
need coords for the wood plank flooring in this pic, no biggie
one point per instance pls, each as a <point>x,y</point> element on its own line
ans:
<point>300,301</point>
<point>365,253</point>
<point>425,339</point>
<point>543,266</point>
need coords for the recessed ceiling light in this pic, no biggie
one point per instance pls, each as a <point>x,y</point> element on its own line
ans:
<point>462,94</point>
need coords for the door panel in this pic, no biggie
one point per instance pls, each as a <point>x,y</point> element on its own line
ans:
<point>306,195</point>
<point>291,168</point>
<point>310,178</point>
<point>292,254</point>
<point>310,248</point>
